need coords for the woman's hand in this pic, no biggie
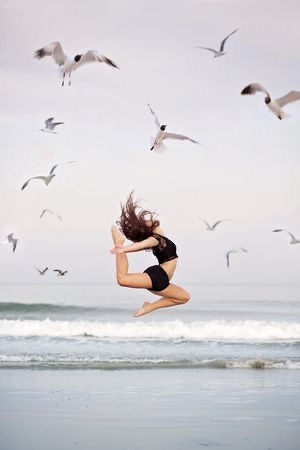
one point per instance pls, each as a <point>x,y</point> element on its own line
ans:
<point>118,249</point>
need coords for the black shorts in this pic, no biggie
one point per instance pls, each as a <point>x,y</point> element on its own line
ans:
<point>159,278</point>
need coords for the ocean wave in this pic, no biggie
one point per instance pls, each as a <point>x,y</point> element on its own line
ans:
<point>213,330</point>
<point>48,308</point>
<point>84,362</point>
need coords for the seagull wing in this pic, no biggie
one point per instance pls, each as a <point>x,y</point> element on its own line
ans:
<point>94,56</point>
<point>155,117</point>
<point>43,212</point>
<point>56,165</point>
<point>291,97</point>
<point>206,223</point>
<point>49,121</point>
<point>14,243</point>
<point>25,184</point>
<point>252,88</point>
<point>57,270</point>
<point>225,39</point>
<point>217,223</point>
<point>227,258</point>
<point>180,137</point>
<point>278,230</point>
<point>210,49</point>
<point>292,236</point>
<point>57,123</point>
<point>55,50</point>
<point>33,178</point>
<point>53,169</point>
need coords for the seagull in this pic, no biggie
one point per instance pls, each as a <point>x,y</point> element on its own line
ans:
<point>10,239</point>
<point>50,125</point>
<point>218,53</point>
<point>50,212</point>
<point>213,227</point>
<point>42,272</point>
<point>161,135</point>
<point>276,105</point>
<point>234,250</point>
<point>293,241</point>
<point>66,64</point>
<point>60,273</point>
<point>46,178</point>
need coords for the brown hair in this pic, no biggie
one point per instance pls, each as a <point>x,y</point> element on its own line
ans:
<point>136,223</point>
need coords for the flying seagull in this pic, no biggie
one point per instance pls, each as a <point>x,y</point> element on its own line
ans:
<point>42,272</point>
<point>218,53</point>
<point>60,273</point>
<point>234,250</point>
<point>293,241</point>
<point>213,227</point>
<point>45,178</point>
<point>50,212</point>
<point>10,239</point>
<point>66,64</point>
<point>274,105</point>
<point>161,135</point>
<point>50,125</point>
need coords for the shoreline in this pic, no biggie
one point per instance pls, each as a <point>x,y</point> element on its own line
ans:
<point>146,409</point>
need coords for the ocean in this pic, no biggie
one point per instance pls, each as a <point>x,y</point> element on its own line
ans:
<point>90,326</point>
<point>78,372</point>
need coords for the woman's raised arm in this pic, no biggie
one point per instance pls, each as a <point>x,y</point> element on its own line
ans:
<point>137,246</point>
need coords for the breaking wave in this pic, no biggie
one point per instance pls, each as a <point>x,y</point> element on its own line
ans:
<point>213,330</point>
<point>56,361</point>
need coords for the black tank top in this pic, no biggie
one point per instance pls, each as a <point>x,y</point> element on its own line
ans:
<point>165,250</point>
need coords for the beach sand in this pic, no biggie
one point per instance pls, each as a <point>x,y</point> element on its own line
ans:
<point>46,409</point>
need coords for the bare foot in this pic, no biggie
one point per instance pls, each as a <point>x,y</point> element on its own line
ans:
<point>145,309</point>
<point>118,238</point>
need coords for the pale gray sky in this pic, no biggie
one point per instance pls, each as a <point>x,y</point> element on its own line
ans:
<point>247,170</point>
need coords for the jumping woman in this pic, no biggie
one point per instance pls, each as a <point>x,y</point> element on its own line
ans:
<point>143,229</point>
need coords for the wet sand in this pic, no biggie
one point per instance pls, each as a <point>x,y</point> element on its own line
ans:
<point>43,409</point>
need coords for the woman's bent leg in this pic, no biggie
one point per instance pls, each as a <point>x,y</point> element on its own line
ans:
<point>171,296</point>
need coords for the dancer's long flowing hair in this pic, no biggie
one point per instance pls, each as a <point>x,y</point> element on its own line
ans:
<point>136,223</point>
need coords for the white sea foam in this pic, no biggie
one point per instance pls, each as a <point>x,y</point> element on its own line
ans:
<point>247,330</point>
<point>80,360</point>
